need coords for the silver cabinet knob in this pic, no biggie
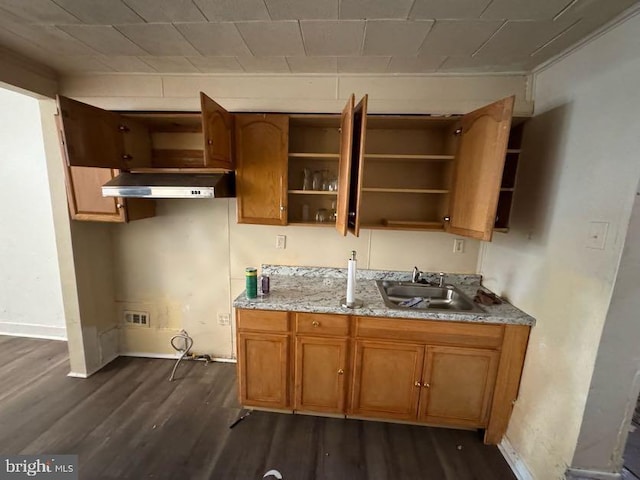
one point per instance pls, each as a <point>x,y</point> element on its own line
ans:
<point>119,206</point>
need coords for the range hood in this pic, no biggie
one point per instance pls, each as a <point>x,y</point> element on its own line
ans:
<point>170,185</point>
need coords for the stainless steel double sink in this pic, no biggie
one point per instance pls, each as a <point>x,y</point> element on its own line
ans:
<point>420,296</point>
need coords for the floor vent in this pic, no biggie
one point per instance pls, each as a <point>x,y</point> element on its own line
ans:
<point>136,319</point>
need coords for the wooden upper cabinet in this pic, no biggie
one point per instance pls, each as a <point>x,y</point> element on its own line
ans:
<point>457,386</point>
<point>85,200</point>
<point>93,137</point>
<point>480,159</point>
<point>261,168</point>
<point>344,166</point>
<point>217,127</point>
<point>357,165</point>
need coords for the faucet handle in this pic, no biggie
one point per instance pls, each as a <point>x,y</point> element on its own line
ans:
<point>441,282</point>
<point>415,276</point>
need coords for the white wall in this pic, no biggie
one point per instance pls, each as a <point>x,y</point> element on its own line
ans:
<point>30,292</point>
<point>580,164</point>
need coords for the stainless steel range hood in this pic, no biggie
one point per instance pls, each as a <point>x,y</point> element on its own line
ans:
<point>170,185</point>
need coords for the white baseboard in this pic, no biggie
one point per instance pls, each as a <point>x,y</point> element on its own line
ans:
<point>33,330</point>
<point>579,474</point>
<point>519,468</point>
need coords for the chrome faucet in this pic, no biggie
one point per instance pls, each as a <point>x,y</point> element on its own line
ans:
<point>441,282</point>
<point>416,275</point>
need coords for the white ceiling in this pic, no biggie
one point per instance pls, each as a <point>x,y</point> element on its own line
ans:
<point>298,36</point>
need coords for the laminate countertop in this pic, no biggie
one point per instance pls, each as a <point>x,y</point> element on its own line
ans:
<point>319,290</point>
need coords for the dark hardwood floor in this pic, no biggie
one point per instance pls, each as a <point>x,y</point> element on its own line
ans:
<point>129,422</point>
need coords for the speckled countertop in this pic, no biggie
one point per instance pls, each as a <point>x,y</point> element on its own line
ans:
<point>319,290</point>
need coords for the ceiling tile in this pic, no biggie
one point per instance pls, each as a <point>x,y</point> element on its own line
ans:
<point>313,64</point>
<point>519,39</point>
<point>158,39</point>
<point>264,64</point>
<point>100,12</point>
<point>233,10</point>
<point>37,11</point>
<point>471,64</point>
<point>167,10</point>
<point>423,64</point>
<point>170,64</point>
<point>269,39</point>
<point>325,37</point>
<point>371,9</point>
<point>103,38</point>
<point>448,9</point>
<point>216,64</point>
<point>458,37</point>
<point>395,37</point>
<point>363,64</point>
<point>302,9</point>
<point>592,14</point>
<point>214,38</point>
<point>524,9</point>
<point>127,64</point>
<point>50,38</point>
<point>77,64</point>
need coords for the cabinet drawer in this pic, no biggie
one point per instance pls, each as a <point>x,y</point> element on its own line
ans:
<point>431,332</point>
<point>322,324</point>
<point>263,320</point>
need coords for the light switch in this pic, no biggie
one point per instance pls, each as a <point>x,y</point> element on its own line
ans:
<point>281,241</point>
<point>597,235</point>
<point>458,245</point>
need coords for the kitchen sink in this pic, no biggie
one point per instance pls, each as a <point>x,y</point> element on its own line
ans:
<point>420,296</point>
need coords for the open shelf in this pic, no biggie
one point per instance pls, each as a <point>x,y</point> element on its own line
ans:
<point>407,157</point>
<point>404,225</point>
<point>313,192</point>
<point>313,224</point>
<point>314,155</point>
<point>403,190</point>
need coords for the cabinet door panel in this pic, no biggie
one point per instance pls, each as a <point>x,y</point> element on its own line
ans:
<point>457,385</point>
<point>261,171</point>
<point>478,172</point>
<point>263,370</point>
<point>85,196</point>
<point>344,167</point>
<point>386,379</point>
<point>320,373</point>
<point>357,164</point>
<point>217,127</point>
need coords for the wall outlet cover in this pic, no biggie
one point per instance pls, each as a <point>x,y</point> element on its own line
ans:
<point>224,319</point>
<point>281,241</point>
<point>136,319</point>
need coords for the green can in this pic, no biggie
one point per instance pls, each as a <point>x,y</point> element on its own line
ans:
<point>251,280</point>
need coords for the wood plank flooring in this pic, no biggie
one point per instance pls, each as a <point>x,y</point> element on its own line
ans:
<point>129,422</point>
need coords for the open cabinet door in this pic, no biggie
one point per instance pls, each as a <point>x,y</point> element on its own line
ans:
<point>217,127</point>
<point>357,162</point>
<point>344,167</point>
<point>482,147</point>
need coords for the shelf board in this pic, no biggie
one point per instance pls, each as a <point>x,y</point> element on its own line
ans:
<point>501,230</point>
<point>507,189</point>
<point>513,150</point>
<point>312,224</point>
<point>312,192</point>
<point>403,190</point>
<point>407,157</point>
<point>405,225</point>
<point>315,155</point>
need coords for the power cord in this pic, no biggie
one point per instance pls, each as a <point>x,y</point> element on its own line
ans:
<point>187,343</point>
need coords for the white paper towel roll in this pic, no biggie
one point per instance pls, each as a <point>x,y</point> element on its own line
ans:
<point>351,282</point>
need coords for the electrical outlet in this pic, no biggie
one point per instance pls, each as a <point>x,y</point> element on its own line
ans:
<point>224,319</point>
<point>281,241</point>
<point>136,319</point>
<point>458,245</point>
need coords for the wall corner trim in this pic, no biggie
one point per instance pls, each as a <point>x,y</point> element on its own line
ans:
<point>516,463</point>
<point>579,474</point>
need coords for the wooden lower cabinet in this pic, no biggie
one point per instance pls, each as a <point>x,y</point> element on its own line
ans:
<point>432,372</point>
<point>457,386</point>
<point>263,370</point>
<point>321,374</point>
<point>385,379</point>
